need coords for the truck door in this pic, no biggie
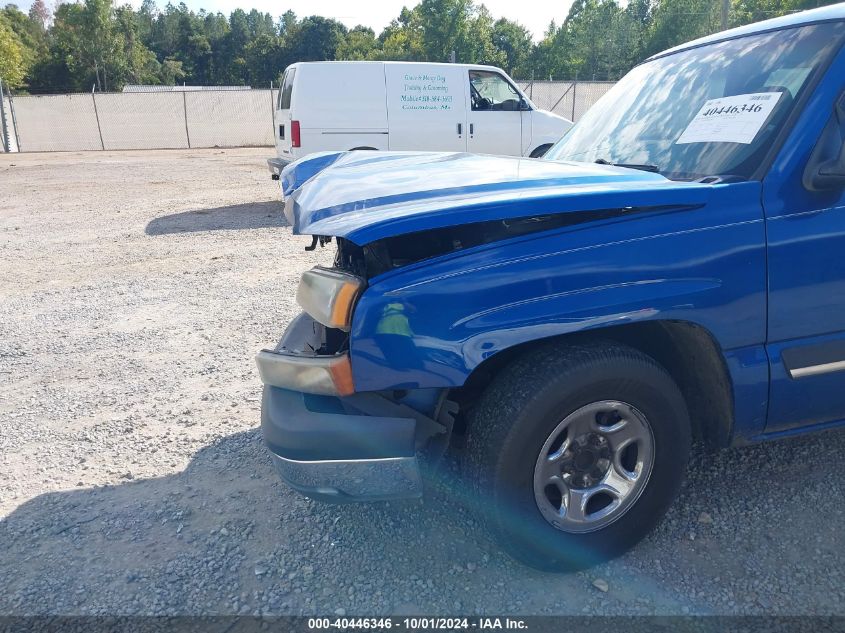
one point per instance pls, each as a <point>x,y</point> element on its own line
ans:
<point>426,107</point>
<point>806,260</point>
<point>495,119</point>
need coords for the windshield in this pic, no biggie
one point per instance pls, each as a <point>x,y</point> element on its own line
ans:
<point>707,111</point>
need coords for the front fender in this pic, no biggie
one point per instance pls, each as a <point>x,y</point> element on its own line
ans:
<point>431,324</point>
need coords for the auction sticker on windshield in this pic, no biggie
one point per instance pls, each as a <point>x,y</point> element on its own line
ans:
<point>734,119</point>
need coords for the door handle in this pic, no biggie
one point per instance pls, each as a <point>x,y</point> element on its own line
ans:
<point>471,129</point>
<point>460,129</point>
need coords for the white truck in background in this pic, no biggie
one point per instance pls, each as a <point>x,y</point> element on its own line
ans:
<point>330,106</point>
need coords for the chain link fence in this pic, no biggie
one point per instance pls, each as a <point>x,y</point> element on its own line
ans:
<point>569,99</point>
<point>194,119</point>
<point>143,120</point>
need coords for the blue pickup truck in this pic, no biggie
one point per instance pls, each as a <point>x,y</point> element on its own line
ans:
<point>673,270</point>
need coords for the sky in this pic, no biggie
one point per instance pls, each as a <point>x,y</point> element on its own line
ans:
<point>535,15</point>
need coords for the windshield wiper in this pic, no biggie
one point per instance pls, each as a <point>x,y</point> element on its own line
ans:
<point>652,168</point>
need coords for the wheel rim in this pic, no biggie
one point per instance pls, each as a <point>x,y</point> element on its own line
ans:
<point>594,466</point>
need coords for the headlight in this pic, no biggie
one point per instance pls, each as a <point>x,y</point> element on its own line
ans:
<point>329,296</point>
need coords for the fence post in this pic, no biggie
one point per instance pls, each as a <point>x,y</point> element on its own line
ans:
<point>7,146</point>
<point>272,111</point>
<point>562,97</point>
<point>185,110</point>
<point>97,116</point>
<point>574,84</point>
<point>14,121</point>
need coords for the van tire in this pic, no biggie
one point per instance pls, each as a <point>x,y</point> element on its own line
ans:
<point>539,152</point>
<point>355,149</point>
<point>517,418</point>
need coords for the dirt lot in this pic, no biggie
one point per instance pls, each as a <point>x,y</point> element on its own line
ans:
<point>135,288</point>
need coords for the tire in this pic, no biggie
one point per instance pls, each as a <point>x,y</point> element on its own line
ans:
<point>540,151</point>
<point>514,420</point>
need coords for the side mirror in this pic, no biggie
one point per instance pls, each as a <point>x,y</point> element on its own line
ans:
<point>823,173</point>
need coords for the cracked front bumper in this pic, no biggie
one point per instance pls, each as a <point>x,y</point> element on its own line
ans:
<point>327,449</point>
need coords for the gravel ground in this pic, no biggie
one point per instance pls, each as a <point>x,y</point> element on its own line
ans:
<point>135,288</point>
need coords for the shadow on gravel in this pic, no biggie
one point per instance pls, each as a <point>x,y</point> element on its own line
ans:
<point>221,537</point>
<point>253,215</point>
<point>224,536</point>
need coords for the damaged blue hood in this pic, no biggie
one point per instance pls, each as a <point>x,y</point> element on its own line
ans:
<point>365,196</point>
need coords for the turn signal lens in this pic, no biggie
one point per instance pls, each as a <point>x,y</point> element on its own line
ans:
<point>341,372</point>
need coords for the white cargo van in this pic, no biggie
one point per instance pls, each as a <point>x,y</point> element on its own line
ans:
<point>407,106</point>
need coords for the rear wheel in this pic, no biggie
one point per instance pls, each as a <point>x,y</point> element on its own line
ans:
<point>576,451</point>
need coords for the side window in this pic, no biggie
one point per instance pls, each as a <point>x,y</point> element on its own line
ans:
<point>279,92</point>
<point>286,92</point>
<point>490,91</point>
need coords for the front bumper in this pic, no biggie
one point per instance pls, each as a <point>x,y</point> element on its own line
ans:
<point>329,449</point>
<point>357,447</point>
<point>276,165</point>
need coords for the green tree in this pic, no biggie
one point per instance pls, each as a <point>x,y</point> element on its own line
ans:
<point>93,42</point>
<point>360,43</point>
<point>401,40</point>
<point>171,71</point>
<point>139,64</point>
<point>445,27</point>
<point>99,43</point>
<point>546,56</point>
<point>314,38</point>
<point>747,11</point>
<point>590,42</point>
<point>264,57</point>
<point>192,47</point>
<point>513,42</point>
<point>40,15</point>
<point>24,43</point>
<point>477,47</point>
<point>12,65</point>
<point>677,21</point>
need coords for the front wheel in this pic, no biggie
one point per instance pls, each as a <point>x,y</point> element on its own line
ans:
<point>576,452</point>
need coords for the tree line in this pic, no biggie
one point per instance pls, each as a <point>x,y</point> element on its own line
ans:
<point>94,43</point>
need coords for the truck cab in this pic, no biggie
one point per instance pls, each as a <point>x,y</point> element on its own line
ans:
<point>670,270</point>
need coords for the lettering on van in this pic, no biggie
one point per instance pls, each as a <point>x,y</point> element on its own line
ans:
<point>425,91</point>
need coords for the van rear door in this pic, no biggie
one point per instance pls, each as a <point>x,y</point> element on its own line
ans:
<point>426,107</point>
<point>282,117</point>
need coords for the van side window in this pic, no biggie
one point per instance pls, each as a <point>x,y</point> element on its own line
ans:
<point>490,91</point>
<point>286,92</point>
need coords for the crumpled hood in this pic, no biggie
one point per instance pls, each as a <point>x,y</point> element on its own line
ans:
<point>364,196</point>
